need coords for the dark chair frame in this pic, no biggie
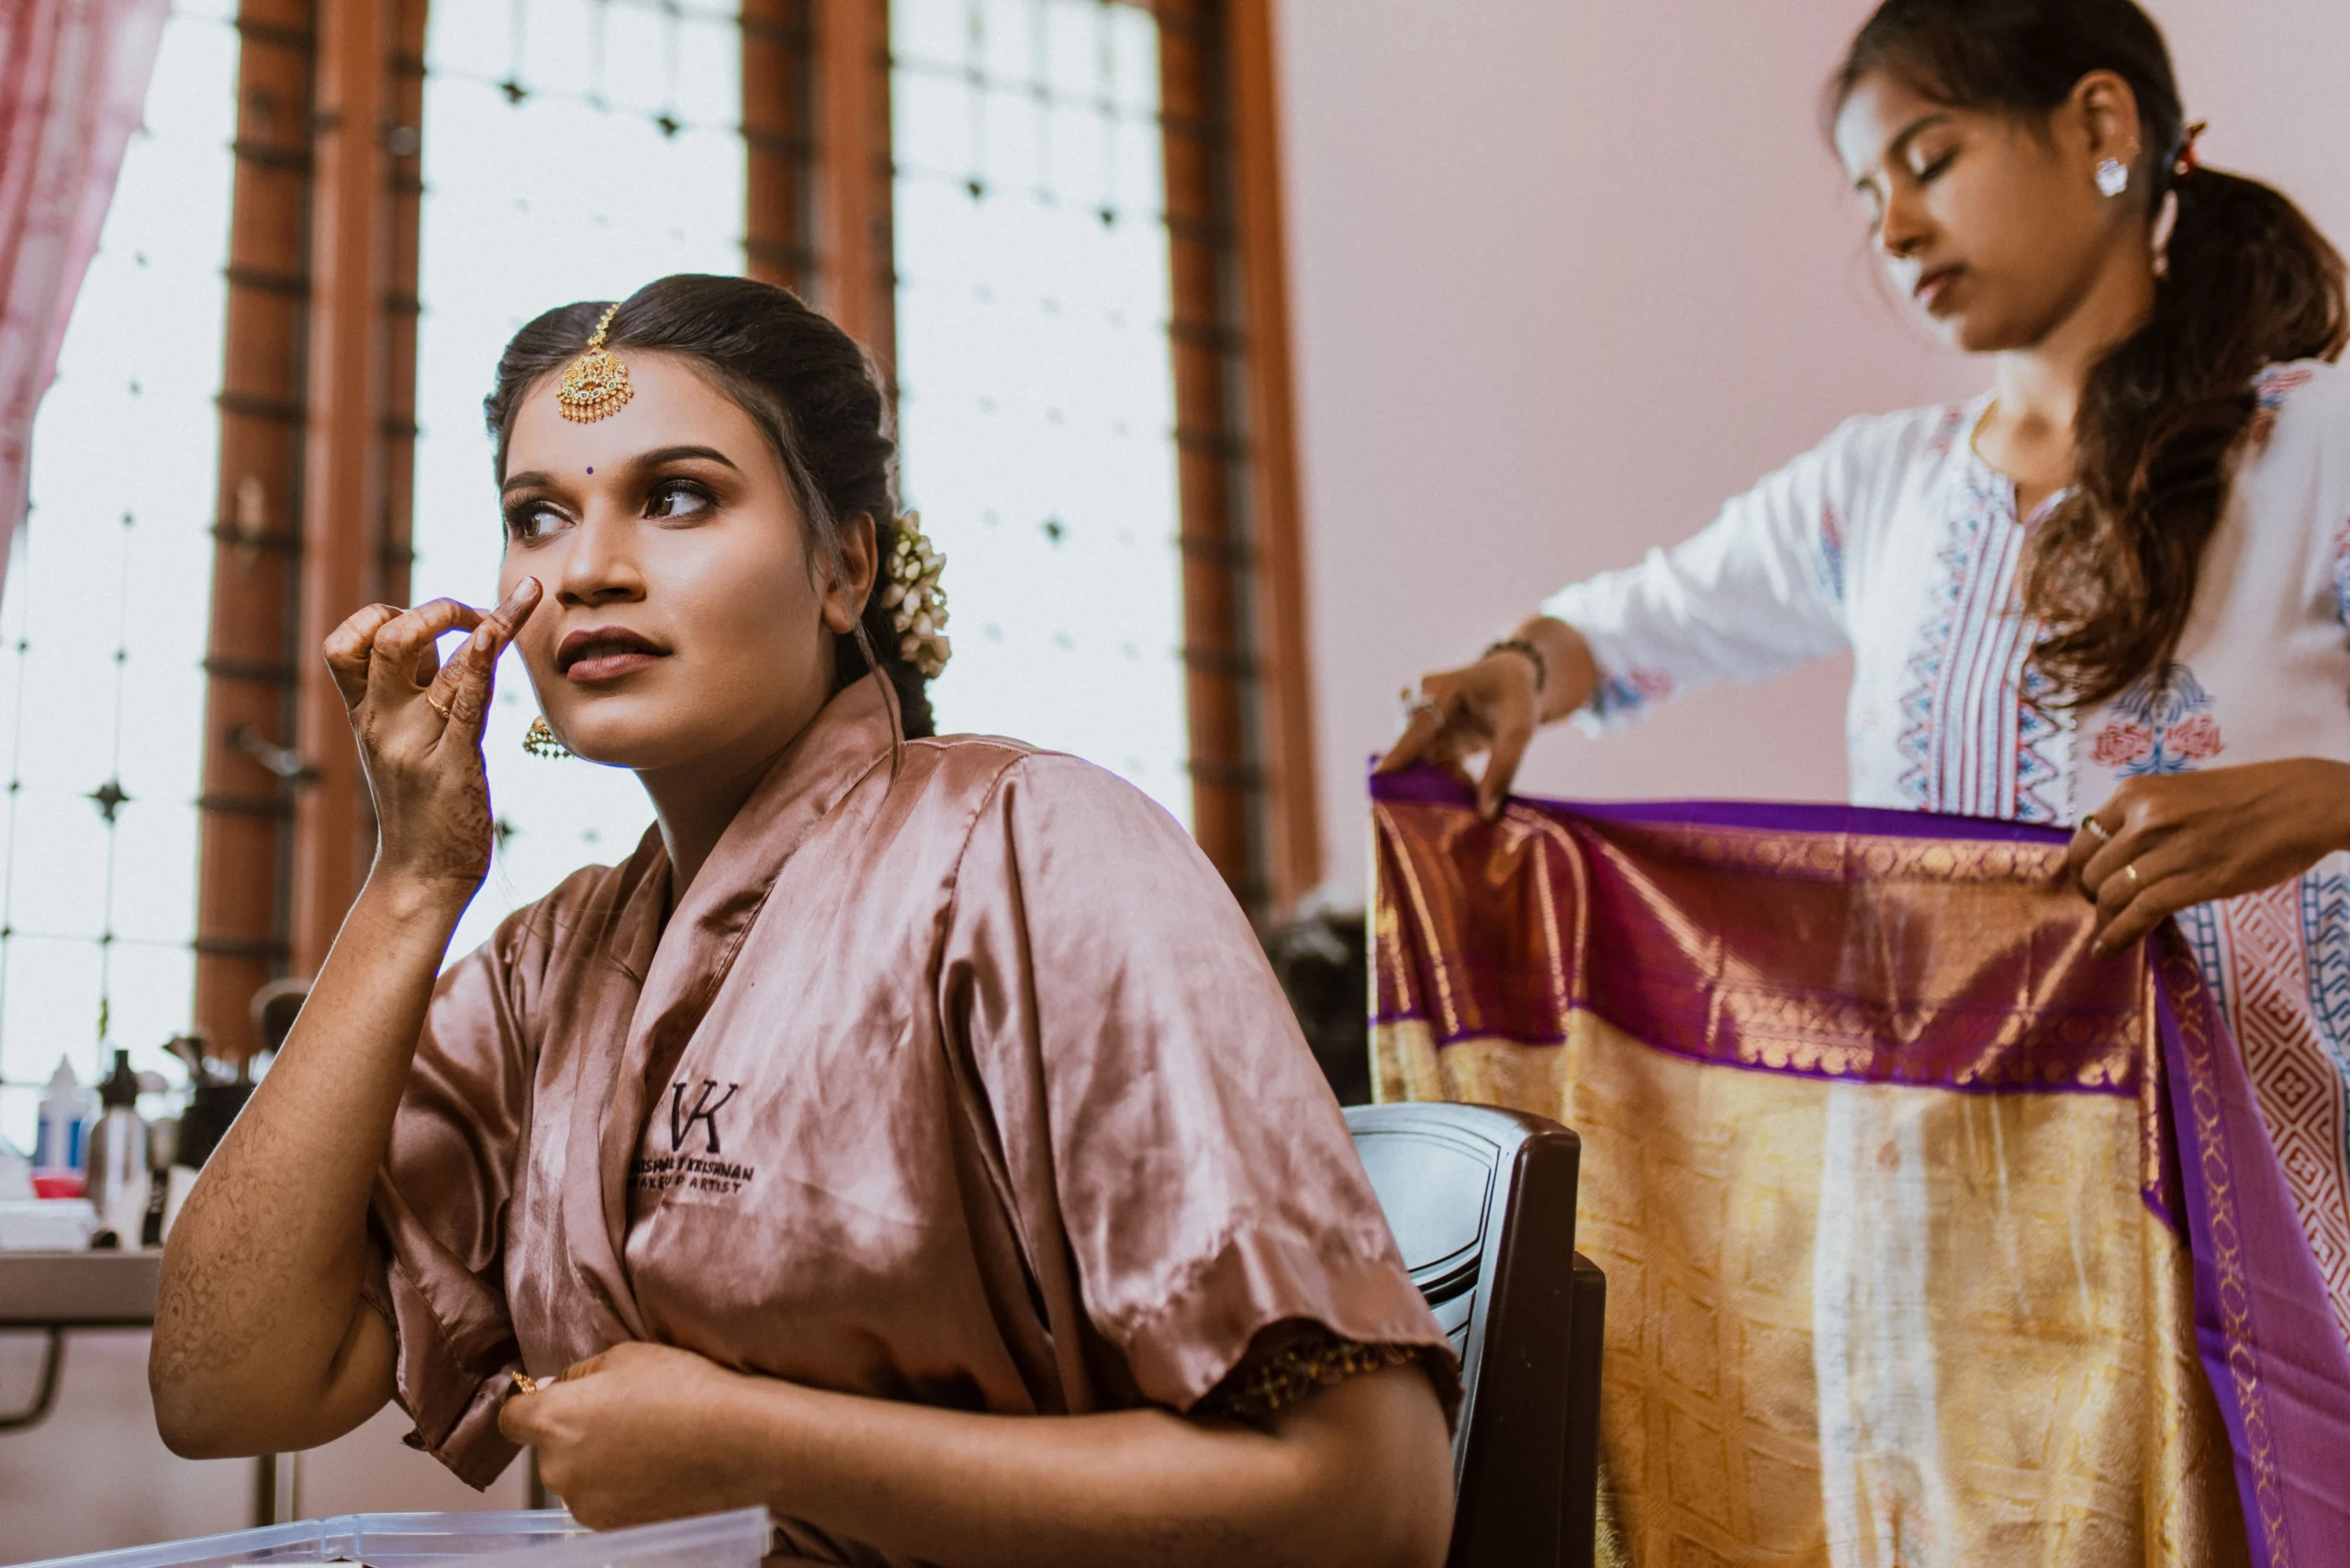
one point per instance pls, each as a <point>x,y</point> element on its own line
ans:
<point>1523,1309</point>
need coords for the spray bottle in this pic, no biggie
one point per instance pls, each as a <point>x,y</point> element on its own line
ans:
<point>117,1167</point>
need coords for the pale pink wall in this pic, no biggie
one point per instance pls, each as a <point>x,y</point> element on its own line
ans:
<point>1568,273</point>
<point>96,1475</point>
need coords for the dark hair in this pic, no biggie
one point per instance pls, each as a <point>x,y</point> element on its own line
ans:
<point>2110,573</point>
<point>801,378</point>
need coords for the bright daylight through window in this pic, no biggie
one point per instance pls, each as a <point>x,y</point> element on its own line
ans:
<point>102,628</point>
<point>1035,393</point>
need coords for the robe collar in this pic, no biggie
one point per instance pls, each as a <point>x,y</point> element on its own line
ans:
<point>680,967</point>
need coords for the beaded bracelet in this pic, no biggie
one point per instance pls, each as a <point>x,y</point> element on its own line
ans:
<point>1533,655</point>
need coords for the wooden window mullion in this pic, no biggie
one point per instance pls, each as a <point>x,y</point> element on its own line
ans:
<point>1254,808</point>
<point>245,839</point>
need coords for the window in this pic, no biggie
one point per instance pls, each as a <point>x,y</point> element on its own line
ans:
<point>1037,401</point>
<point>102,627</point>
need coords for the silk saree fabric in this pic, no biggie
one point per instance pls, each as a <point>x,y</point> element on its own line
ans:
<point>1930,1237</point>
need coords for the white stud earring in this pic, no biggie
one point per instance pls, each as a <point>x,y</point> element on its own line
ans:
<point>2113,176</point>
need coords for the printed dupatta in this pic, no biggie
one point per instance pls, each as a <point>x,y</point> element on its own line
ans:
<point>1931,1239</point>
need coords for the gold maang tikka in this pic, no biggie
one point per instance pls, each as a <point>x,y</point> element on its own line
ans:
<point>597,384</point>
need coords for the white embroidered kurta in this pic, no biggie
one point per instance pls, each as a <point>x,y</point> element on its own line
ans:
<point>1892,538</point>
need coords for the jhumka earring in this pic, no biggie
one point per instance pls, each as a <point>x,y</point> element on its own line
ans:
<point>2113,176</point>
<point>540,740</point>
<point>597,384</point>
<point>916,601</point>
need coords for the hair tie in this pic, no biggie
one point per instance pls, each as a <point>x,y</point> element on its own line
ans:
<point>2186,164</point>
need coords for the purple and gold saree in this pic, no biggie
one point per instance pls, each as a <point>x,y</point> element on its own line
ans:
<point>1931,1239</point>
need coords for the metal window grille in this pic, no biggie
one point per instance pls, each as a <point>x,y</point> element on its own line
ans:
<point>1037,401</point>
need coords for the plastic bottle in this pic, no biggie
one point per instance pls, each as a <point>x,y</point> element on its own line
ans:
<point>64,1112</point>
<point>117,1169</point>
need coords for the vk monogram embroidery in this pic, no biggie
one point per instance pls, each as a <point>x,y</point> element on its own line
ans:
<point>705,1111</point>
<point>702,1169</point>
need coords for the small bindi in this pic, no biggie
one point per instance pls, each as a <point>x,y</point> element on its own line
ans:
<point>591,470</point>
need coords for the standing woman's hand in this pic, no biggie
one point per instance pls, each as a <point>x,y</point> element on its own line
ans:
<point>1543,671</point>
<point>2163,844</point>
<point>419,725</point>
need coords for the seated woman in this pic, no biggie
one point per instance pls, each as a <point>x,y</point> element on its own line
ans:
<point>910,1136</point>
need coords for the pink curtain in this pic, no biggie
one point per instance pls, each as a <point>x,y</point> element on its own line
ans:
<point>72,77</point>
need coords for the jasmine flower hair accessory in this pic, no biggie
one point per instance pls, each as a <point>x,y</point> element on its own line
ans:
<point>915,600</point>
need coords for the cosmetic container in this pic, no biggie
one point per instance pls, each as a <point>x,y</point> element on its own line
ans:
<point>116,1179</point>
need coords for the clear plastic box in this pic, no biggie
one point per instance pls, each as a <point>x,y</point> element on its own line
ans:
<point>546,1538</point>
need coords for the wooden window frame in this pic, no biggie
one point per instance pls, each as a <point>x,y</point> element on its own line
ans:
<point>1248,661</point>
<point>316,466</point>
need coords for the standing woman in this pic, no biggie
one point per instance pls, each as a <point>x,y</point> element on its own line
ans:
<point>2113,591</point>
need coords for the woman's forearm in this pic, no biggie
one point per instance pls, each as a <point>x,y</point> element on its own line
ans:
<point>1571,676</point>
<point>1360,1474</point>
<point>261,1339</point>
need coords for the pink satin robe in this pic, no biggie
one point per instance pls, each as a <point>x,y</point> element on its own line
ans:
<point>966,1084</point>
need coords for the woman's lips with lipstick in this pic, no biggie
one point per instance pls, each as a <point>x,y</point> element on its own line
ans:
<point>1932,286</point>
<point>605,651</point>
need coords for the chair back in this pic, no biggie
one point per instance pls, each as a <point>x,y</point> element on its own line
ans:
<point>1483,1204</point>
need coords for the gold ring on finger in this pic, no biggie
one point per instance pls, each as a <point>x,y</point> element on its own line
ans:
<point>437,708</point>
<point>2131,872</point>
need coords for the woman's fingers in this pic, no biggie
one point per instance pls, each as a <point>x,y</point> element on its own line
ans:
<point>1419,732</point>
<point>1501,766</point>
<point>1452,719</point>
<point>2125,829</point>
<point>349,645</point>
<point>2147,902</point>
<point>2140,888</point>
<point>460,691</point>
<point>396,673</point>
<point>522,1419</point>
<point>2093,834</point>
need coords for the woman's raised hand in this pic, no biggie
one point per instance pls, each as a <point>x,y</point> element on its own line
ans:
<point>419,723</point>
<point>1494,706</point>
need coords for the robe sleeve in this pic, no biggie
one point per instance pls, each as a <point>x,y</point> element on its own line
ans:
<point>1757,591</point>
<point>1151,1086</point>
<point>438,1216</point>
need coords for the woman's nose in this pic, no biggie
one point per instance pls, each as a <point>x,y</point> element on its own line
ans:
<point>599,565</point>
<point>1903,230</point>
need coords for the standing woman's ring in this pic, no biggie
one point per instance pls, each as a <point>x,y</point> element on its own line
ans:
<point>436,707</point>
